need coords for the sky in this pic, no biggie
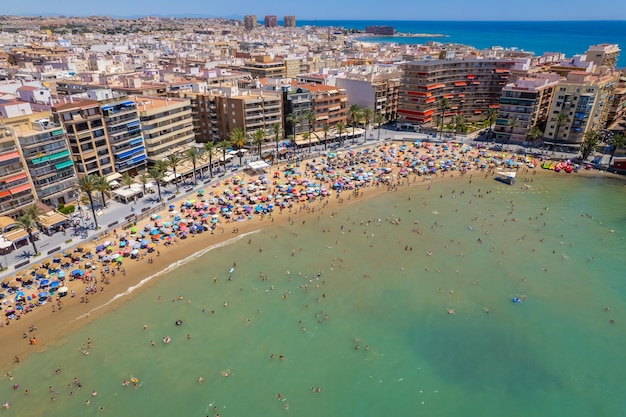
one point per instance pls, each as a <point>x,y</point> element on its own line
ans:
<point>332,9</point>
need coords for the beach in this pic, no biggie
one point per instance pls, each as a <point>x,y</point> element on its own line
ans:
<point>53,328</point>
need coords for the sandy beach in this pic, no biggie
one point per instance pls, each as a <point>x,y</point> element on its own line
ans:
<point>52,323</point>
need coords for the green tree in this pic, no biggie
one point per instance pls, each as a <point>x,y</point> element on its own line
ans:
<point>157,172</point>
<point>87,185</point>
<point>355,115</point>
<point>276,129</point>
<point>102,186</point>
<point>127,180</point>
<point>442,105</point>
<point>310,118</point>
<point>193,155</point>
<point>238,140</point>
<point>379,119</point>
<point>224,145</point>
<point>341,127</point>
<point>367,115</point>
<point>293,119</point>
<point>172,161</point>
<point>492,116</point>
<point>533,135</point>
<point>326,128</point>
<point>590,142</point>
<point>617,141</point>
<point>29,222</point>
<point>208,154</point>
<point>258,137</point>
<point>143,179</point>
<point>512,123</point>
<point>561,119</point>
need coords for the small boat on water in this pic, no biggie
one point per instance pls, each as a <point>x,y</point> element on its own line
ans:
<point>506,177</point>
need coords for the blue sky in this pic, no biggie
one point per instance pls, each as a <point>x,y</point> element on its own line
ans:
<point>333,9</point>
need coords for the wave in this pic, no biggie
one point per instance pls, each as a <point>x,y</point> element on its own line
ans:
<point>166,270</point>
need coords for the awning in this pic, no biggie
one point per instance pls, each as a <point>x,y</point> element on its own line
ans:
<point>52,219</point>
<point>16,177</point>
<point>9,156</point>
<point>20,188</point>
<point>258,165</point>
<point>460,83</point>
<point>62,165</point>
<point>114,176</point>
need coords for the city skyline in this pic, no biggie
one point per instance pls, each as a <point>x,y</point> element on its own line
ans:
<point>483,10</point>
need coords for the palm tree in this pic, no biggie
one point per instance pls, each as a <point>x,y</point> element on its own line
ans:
<point>238,139</point>
<point>310,118</point>
<point>513,123</point>
<point>617,141</point>
<point>492,116</point>
<point>294,120</point>
<point>192,155</point>
<point>276,129</point>
<point>325,128</point>
<point>87,185</point>
<point>157,172</point>
<point>590,143</point>
<point>443,105</point>
<point>224,146</point>
<point>143,179</point>
<point>28,222</point>
<point>173,160</point>
<point>367,114</point>
<point>379,119</point>
<point>561,119</point>
<point>533,135</point>
<point>208,154</point>
<point>258,137</point>
<point>127,180</point>
<point>355,115</point>
<point>102,186</point>
<point>340,126</point>
<point>460,125</point>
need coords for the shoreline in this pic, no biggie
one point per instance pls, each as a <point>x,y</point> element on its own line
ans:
<point>52,326</point>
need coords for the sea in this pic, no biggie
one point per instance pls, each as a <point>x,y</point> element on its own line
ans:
<point>465,297</point>
<point>568,37</point>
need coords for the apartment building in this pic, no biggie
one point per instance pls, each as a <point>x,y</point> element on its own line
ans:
<point>296,102</point>
<point>374,90</point>
<point>289,21</point>
<point>527,101</point>
<point>167,125</point>
<point>330,105</point>
<point>471,86</point>
<point>16,191</point>
<point>247,109</point>
<point>582,103</point>
<point>249,21</point>
<point>45,151</point>
<point>84,123</point>
<point>270,21</point>
<point>264,66</point>
<point>603,54</point>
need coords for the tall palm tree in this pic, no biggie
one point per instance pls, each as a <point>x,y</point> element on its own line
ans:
<point>143,179</point>
<point>533,135</point>
<point>87,185</point>
<point>340,126</point>
<point>173,160</point>
<point>309,117</point>
<point>460,124</point>
<point>512,123</point>
<point>561,119</point>
<point>367,115</point>
<point>127,180</point>
<point>492,116</point>
<point>590,143</point>
<point>208,154</point>
<point>192,155</point>
<point>224,145</point>
<point>276,129</point>
<point>157,172</point>
<point>355,114</point>
<point>617,141</point>
<point>102,186</point>
<point>29,221</point>
<point>379,119</point>
<point>326,128</point>
<point>238,140</point>
<point>443,105</point>
<point>258,137</point>
<point>294,120</point>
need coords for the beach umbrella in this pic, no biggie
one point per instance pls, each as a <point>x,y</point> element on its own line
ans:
<point>100,248</point>
<point>44,283</point>
<point>54,284</point>
<point>77,272</point>
<point>60,273</point>
<point>134,252</point>
<point>42,295</point>
<point>122,243</point>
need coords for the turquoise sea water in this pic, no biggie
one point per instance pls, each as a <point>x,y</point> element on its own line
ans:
<point>390,269</point>
<point>568,37</point>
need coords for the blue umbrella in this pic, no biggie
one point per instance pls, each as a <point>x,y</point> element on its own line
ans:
<point>54,284</point>
<point>19,294</point>
<point>60,273</point>
<point>100,248</point>
<point>79,272</point>
<point>44,283</point>
<point>43,295</point>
